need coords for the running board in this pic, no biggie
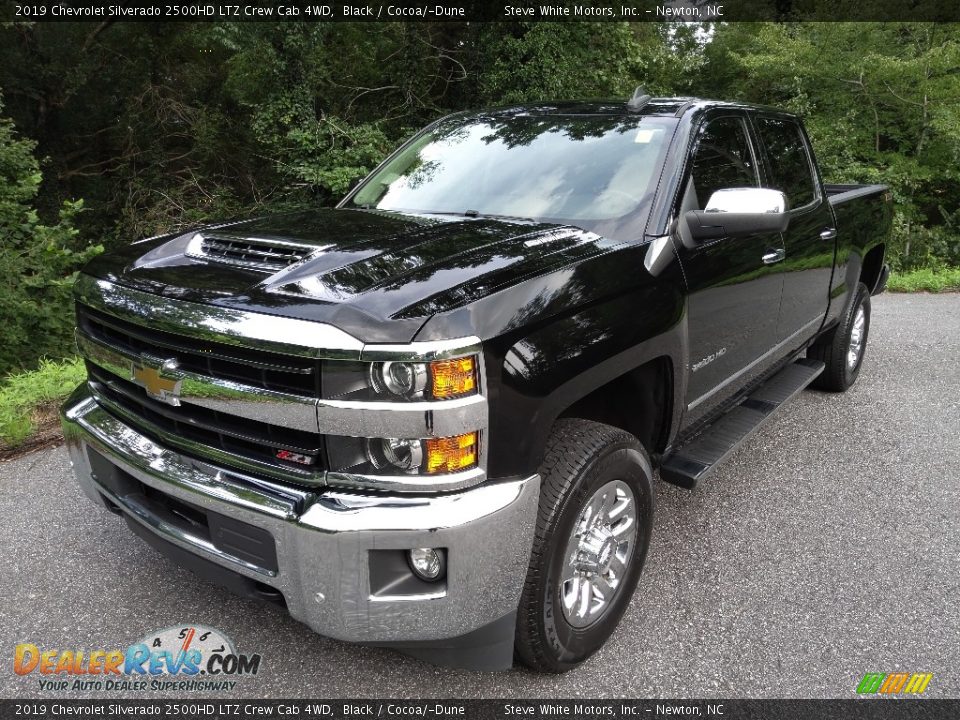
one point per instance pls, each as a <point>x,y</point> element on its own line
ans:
<point>692,462</point>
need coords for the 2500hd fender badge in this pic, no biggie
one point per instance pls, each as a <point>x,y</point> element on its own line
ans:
<point>708,359</point>
<point>171,659</point>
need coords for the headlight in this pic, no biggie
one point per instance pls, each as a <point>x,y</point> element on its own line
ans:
<point>427,457</point>
<point>403,379</point>
<point>438,380</point>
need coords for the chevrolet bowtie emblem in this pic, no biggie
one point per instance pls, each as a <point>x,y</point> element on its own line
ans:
<point>158,377</point>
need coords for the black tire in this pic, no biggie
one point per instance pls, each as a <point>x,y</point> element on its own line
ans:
<point>581,457</point>
<point>832,349</point>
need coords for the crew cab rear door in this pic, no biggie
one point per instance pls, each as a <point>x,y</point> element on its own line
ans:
<point>788,165</point>
<point>734,290</point>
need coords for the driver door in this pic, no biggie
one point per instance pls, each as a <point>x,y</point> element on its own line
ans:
<point>734,283</point>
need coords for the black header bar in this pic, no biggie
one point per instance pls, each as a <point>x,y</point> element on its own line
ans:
<point>483,11</point>
<point>188,708</point>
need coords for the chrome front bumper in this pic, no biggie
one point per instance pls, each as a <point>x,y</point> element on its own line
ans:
<point>324,538</point>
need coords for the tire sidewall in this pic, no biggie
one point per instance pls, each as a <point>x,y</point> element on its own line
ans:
<point>862,299</point>
<point>569,645</point>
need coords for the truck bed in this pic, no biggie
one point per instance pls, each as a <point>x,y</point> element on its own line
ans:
<point>864,215</point>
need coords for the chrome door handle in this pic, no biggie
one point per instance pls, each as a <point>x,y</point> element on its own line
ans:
<point>828,234</point>
<point>774,256</point>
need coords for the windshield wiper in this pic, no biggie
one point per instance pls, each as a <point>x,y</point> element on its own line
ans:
<point>497,216</point>
<point>478,214</point>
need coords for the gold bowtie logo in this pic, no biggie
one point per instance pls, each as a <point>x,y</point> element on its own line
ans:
<point>157,378</point>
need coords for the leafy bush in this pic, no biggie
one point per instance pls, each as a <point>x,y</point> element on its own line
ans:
<point>39,261</point>
<point>926,280</point>
<point>323,155</point>
<point>22,395</point>
<point>914,246</point>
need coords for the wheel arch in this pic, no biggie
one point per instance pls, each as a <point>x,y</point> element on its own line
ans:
<point>640,402</point>
<point>871,267</point>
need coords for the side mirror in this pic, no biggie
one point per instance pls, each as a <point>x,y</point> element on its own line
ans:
<point>735,212</point>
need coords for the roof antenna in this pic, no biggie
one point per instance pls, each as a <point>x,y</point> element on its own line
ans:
<point>639,99</point>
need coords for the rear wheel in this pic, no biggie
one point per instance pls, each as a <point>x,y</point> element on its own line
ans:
<point>843,348</point>
<point>593,530</point>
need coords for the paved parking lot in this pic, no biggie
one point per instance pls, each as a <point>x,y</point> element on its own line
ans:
<point>829,546</point>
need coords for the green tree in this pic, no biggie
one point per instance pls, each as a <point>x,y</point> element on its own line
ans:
<point>38,260</point>
<point>554,61</point>
<point>881,103</point>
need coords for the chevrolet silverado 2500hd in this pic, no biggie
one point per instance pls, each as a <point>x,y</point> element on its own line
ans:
<point>430,418</point>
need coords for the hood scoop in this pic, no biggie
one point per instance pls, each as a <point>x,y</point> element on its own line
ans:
<point>266,254</point>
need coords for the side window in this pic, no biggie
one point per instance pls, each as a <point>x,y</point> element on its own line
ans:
<point>789,163</point>
<point>722,159</point>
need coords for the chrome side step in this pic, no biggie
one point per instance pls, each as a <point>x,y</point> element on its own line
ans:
<point>692,462</point>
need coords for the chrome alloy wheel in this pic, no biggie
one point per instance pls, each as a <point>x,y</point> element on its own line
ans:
<point>598,553</point>
<point>856,338</point>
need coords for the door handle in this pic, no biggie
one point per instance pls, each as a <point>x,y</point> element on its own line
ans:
<point>828,234</point>
<point>774,256</point>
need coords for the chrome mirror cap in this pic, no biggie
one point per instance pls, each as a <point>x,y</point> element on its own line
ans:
<point>747,200</point>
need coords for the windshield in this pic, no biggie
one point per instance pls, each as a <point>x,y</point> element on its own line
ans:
<point>591,171</point>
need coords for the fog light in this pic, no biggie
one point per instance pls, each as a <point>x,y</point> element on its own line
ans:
<point>427,563</point>
<point>404,455</point>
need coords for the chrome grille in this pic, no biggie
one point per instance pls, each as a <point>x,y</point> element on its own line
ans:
<point>259,253</point>
<point>245,443</point>
<point>240,407</point>
<point>280,373</point>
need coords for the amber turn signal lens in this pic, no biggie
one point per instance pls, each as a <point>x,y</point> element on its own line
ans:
<point>453,453</point>
<point>453,378</point>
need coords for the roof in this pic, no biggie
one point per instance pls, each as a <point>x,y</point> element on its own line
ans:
<point>669,106</point>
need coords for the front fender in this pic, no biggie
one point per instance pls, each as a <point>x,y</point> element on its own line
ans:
<point>544,371</point>
<point>553,340</point>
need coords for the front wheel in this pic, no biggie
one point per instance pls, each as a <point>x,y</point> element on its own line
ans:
<point>843,348</point>
<point>593,530</point>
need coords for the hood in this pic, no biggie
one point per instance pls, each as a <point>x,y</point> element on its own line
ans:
<point>378,276</point>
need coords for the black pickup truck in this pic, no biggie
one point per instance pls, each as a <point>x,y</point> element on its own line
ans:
<point>431,418</point>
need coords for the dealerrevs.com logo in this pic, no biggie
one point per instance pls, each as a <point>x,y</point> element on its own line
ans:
<point>189,657</point>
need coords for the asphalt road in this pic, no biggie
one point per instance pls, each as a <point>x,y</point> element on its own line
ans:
<point>827,547</point>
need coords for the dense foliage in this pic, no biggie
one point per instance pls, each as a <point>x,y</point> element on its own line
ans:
<point>38,259</point>
<point>161,125</point>
<point>882,104</point>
